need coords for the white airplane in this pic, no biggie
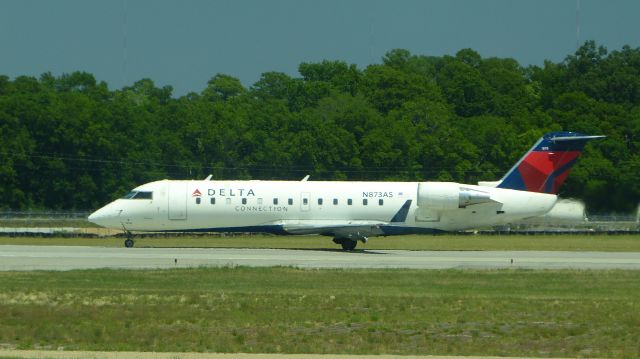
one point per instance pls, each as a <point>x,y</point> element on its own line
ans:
<point>349,211</point>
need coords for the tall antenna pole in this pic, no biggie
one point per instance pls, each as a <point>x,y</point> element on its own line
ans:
<point>124,43</point>
<point>371,33</point>
<point>577,24</point>
<point>371,37</point>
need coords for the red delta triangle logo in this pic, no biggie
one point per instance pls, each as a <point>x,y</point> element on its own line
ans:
<point>196,193</point>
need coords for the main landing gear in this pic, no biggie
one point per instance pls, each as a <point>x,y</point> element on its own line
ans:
<point>348,244</point>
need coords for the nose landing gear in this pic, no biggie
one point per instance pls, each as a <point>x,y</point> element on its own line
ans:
<point>128,242</point>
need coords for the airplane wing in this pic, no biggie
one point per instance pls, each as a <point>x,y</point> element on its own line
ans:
<point>336,228</point>
<point>343,228</point>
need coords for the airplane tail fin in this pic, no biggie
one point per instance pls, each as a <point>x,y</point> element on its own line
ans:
<point>547,164</point>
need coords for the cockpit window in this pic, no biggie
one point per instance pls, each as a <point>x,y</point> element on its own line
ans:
<point>130,195</point>
<point>138,195</point>
<point>144,195</point>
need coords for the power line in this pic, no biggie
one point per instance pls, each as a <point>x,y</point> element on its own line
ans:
<point>250,167</point>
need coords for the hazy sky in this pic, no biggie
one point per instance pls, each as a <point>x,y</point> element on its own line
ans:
<point>185,43</point>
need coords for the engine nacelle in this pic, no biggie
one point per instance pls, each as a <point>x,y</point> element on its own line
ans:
<point>447,196</point>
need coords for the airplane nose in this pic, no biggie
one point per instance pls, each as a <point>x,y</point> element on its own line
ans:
<point>97,217</point>
<point>106,216</point>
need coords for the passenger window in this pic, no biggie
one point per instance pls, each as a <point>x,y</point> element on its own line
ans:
<point>213,200</point>
<point>228,200</point>
<point>380,202</point>
<point>320,201</point>
<point>335,201</point>
<point>365,201</point>
<point>197,200</point>
<point>290,201</point>
<point>244,201</point>
<point>275,201</point>
<point>349,201</point>
<point>305,201</point>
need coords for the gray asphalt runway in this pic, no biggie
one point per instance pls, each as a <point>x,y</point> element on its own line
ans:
<point>66,258</point>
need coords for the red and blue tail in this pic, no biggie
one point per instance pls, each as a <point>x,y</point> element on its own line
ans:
<point>547,164</point>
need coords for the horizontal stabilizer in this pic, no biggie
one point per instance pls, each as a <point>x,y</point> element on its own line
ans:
<point>488,183</point>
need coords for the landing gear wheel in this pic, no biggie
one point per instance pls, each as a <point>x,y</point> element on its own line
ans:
<point>349,245</point>
<point>128,242</point>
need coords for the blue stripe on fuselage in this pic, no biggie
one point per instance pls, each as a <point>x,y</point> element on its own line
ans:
<point>388,230</point>
<point>273,229</point>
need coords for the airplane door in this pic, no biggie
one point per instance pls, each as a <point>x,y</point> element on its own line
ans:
<point>304,201</point>
<point>178,200</point>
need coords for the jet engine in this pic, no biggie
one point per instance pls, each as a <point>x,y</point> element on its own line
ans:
<point>446,196</point>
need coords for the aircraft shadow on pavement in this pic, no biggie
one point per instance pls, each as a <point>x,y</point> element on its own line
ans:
<point>336,250</point>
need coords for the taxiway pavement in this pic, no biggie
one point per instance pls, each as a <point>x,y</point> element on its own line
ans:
<point>23,257</point>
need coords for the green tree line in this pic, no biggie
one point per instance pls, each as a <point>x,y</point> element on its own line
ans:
<point>70,142</point>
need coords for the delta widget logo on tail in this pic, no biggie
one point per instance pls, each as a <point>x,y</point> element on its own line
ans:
<point>545,167</point>
<point>196,193</point>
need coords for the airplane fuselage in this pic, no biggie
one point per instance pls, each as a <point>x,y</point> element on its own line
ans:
<point>350,211</point>
<point>334,208</point>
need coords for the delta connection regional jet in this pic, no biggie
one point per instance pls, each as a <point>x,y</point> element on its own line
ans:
<point>349,211</point>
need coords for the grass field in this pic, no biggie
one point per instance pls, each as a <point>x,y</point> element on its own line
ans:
<point>47,223</point>
<point>285,310</point>
<point>574,242</point>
